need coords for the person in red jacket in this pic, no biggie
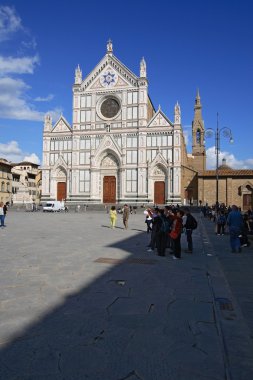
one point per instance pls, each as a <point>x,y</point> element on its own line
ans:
<point>175,234</point>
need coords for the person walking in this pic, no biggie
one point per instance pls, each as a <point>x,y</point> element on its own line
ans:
<point>221,222</point>
<point>1,214</point>
<point>126,213</point>
<point>148,221</point>
<point>235,224</point>
<point>113,216</point>
<point>5,207</point>
<point>189,223</point>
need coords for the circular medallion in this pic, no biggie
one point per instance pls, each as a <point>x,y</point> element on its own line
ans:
<point>109,108</point>
<point>108,78</point>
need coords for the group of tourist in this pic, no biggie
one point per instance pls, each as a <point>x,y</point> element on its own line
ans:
<point>125,215</point>
<point>166,226</point>
<point>231,219</point>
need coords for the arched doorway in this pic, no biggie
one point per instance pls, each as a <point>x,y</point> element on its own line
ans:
<point>60,184</point>
<point>159,185</point>
<point>109,173</point>
<point>159,192</point>
<point>61,191</point>
<point>109,189</point>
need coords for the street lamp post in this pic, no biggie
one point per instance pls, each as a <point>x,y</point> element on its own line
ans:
<point>226,132</point>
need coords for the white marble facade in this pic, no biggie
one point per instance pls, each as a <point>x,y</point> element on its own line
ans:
<point>116,136</point>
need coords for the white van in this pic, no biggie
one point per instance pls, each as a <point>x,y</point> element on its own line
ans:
<point>54,206</point>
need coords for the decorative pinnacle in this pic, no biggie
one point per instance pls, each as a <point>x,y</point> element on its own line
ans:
<point>109,46</point>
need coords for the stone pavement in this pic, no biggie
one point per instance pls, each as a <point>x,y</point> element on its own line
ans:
<point>81,301</point>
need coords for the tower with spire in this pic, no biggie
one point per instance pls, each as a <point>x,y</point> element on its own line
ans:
<point>198,134</point>
<point>78,75</point>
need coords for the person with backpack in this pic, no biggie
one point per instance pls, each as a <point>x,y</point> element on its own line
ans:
<point>190,224</point>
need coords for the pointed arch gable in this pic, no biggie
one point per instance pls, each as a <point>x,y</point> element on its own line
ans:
<point>60,163</point>
<point>159,120</point>
<point>159,160</point>
<point>61,125</point>
<point>101,155</point>
<point>107,146</point>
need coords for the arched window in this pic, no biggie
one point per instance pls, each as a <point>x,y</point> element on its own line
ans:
<point>198,137</point>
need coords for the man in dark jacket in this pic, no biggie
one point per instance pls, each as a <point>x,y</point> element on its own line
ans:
<point>188,225</point>
<point>235,223</point>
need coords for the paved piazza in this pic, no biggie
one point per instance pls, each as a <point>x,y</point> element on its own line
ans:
<point>81,301</point>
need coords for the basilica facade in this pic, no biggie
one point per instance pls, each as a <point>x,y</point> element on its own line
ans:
<point>118,148</point>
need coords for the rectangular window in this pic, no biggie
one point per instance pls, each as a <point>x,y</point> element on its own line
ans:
<point>84,181</point>
<point>65,145</point>
<point>86,101</point>
<point>52,145</point>
<point>132,142</point>
<point>84,158</point>
<point>164,140</point>
<point>129,113</point>
<point>85,144</point>
<point>135,97</point>
<point>85,116</point>
<point>56,144</point>
<point>151,154</point>
<point>131,157</point>
<point>130,98</point>
<point>131,180</point>
<point>149,141</point>
<point>69,144</point>
<point>154,141</point>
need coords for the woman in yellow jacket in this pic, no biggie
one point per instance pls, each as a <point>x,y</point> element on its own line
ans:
<point>113,216</point>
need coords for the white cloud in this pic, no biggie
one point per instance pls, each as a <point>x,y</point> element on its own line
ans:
<point>10,22</point>
<point>13,153</point>
<point>231,160</point>
<point>45,99</point>
<point>14,105</point>
<point>10,148</point>
<point>32,158</point>
<point>23,65</point>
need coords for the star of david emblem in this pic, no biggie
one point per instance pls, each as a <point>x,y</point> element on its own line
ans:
<point>108,79</point>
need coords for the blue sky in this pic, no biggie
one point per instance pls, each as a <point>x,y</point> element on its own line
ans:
<point>186,44</point>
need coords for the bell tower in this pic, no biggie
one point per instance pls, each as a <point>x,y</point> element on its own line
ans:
<point>198,134</point>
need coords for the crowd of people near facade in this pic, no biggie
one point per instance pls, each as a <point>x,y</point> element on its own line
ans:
<point>165,226</point>
<point>231,220</point>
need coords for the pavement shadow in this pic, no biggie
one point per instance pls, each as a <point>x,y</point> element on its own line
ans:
<point>81,338</point>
